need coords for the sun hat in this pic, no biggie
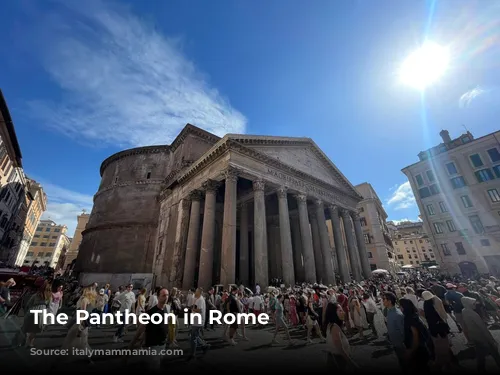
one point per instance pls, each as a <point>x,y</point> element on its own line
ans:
<point>426,295</point>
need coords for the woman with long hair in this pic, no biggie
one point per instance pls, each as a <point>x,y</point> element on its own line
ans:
<point>279,318</point>
<point>38,301</point>
<point>416,336</point>
<point>312,320</point>
<point>338,348</point>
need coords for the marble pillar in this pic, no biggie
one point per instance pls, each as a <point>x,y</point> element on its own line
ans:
<point>318,257</point>
<point>351,245</point>
<point>307,245</point>
<point>345,276</point>
<point>260,235</point>
<point>297,249</point>
<point>205,278</point>
<point>228,253</point>
<point>286,238</point>
<point>244,252</point>
<point>363,255</point>
<point>326,252</point>
<point>192,241</point>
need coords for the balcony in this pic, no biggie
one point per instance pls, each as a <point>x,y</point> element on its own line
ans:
<point>493,230</point>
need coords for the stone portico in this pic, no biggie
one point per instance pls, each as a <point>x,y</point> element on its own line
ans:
<point>253,208</point>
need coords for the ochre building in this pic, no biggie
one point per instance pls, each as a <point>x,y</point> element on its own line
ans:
<point>207,210</point>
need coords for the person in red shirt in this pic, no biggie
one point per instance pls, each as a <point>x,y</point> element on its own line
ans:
<point>343,301</point>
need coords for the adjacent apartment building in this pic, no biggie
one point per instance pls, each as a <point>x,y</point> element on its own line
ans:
<point>49,242</point>
<point>412,245</point>
<point>35,208</point>
<point>83,219</point>
<point>375,231</point>
<point>457,188</point>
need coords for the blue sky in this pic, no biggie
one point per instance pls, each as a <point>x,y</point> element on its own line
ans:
<point>84,80</point>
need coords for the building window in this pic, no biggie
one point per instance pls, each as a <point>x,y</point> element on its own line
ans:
<point>41,254</point>
<point>460,248</point>
<point>430,176</point>
<point>434,189</point>
<point>148,176</point>
<point>367,237</point>
<point>485,242</point>
<point>30,253</point>
<point>450,225</point>
<point>438,228</point>
<point>494,155</point>
<point>457,182</point>
<point>424,192</point>
<point>466,201</point>
<point>494,196</point>
<point>36,236</point>
<point>484,175</point>
<point>34,244</point>
<point>52,244</point>
<point>57,230</point>
<point>47,229</point>
<point>430,209</point>
<point>400,256</point>
<point>48,255</point>
<point>476,223</point>
<point>363,221</point>
<point>496,170</point>
<point>476,160</point>
<point>451,168</point>
<point>420,180</point>
<point>361,209</point>
<point>46,236</point>
<point>39,229</point>
<point>442,207</point>
<point>43,244</point>
<point>445,249</point>
<point>370,255</point>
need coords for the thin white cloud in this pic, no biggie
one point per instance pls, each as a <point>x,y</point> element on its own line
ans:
<point>397,222</point>
<point>124,83</point>
<point>402,197</point>
<point>467,98</point>
<point>63,205</point>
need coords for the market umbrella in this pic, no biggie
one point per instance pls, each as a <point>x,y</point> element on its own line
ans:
<point>407,266</point>
<point>249,291</point>
<point>433,267</point>
<point>379,271</point>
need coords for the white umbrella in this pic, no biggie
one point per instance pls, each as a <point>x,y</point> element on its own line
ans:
<point>433,267</point>
<point>407,266</point>
<point>380,270</point>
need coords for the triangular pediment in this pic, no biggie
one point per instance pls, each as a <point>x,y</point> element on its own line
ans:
<point>301,154</point>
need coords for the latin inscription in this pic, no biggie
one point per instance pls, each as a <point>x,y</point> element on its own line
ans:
<point>308,188</point>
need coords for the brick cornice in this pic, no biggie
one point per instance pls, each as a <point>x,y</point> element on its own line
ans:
<point>132,152</point>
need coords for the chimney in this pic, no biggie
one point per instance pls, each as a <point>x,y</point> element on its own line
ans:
<point>445,135</point>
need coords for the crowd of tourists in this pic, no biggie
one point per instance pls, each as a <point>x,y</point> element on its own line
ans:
<point>420,311</point>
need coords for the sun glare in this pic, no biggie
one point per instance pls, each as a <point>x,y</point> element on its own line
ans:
<point>424,66</point>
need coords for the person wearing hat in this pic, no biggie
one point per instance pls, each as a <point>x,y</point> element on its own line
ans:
<point>453,297</point>
<point>436,318</point>
<point>101,301</point>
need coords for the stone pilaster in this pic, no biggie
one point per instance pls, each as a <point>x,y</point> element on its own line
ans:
<point>176,265</point>
<point>244,253</point>
<point>286,238</point>
<point>192,242</point>
<point>351,245</point>
<point>329,273</point>
<point>318,256</point>
<point>260,235</point>
<point>363,255</point>
<point>205,278</point>
<point>228,255</point>
<point>339,245</point>
<point>297,249</point>
<point>307,245</point>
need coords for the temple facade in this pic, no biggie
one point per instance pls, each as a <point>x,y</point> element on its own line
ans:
<point>207,210</point>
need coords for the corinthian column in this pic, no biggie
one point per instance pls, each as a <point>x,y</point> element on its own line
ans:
<point>351,245</point>
<point>318,257</point>
<point>363,255</point>
<point>339,245</point>
<point>244,255</point>
<point>228,260</point>
<point>286,238</point>
<point>297,250</point>
<point>305,233</point>
<point>329,273</point>
<point>205,278</point>
<point>260,235</point>
<point>192,241</point>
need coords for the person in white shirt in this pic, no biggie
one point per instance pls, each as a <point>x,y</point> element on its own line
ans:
<point>127,300</point>
<point>257,289</point>
<point>371,312</point>
<point>153,298</point>
<point>197,323</point>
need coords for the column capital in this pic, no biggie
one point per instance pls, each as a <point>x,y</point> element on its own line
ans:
<point>282,192</point>
<point>186,203</point>
<point>231,173</point>
<point>195,195</point>
<point>333,208</point>
<point>210,186</point>
<point>301,198</point>
<point>259,185</point>
<point>355,215</point>
<point>318,203</point>
<point>344,212</point>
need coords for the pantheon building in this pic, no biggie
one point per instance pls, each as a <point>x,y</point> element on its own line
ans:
<point>239,209</point>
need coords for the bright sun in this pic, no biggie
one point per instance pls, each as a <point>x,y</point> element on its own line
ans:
<point>424,66</point>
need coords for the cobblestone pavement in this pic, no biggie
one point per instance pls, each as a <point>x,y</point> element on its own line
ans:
<point>371,353</point>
